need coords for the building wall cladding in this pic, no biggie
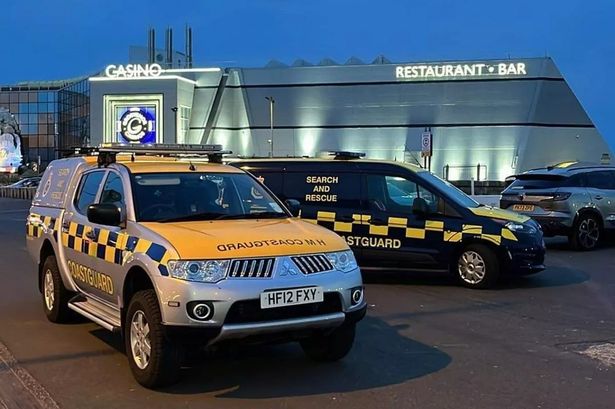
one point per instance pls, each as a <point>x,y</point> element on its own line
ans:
<point>499,123</point>
<point>505,124</point>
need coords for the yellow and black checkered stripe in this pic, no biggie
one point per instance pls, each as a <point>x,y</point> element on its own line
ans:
<point>111,246</point>
<point>399,227</point>
<point>99,243</point>
<point>36,225</point>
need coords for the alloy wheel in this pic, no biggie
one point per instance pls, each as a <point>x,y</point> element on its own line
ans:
<point>589,233</point>
<point>49,290</point>
<point>471,267</point>
<point>140,344</point>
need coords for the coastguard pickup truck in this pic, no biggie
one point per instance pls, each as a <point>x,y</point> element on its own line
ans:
<point>174,250</point>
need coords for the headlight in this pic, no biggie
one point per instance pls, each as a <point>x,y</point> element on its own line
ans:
<point>520,227</point>
<point>205,271</point>
<point>343,261</point>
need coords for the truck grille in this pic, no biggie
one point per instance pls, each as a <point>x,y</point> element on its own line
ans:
<point>252,268</point>
<point>316,263</point>
<point>246,311</point>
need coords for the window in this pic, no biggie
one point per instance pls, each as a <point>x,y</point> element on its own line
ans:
<point>324,190</point>
<point>166,197</point>
<point>601,180</point>
<point>88,190</point>
<point>184,123</point>
<point>113,191</point>
<point>397,194</point>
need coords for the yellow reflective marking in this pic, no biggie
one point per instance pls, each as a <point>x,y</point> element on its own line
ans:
<point>142,246</point>
<point>342,226</point>
<point>452,236</point>
<point>110,254</point>
<point>472,229</point>
<point>122,240</point>
<point>434,225</point>
<point>357,218</point>
<point>414,233</point>
<point>78,242</point>
<point>379,230</point>
<point>103,236</point>
<point>65,239</point>
<point>398,222</point>
<point>507,234</point>
<point>325,216</point>
<point>72,229</point>
<point>494,238</point>
<point>92,249</point>
<point>310,221</point>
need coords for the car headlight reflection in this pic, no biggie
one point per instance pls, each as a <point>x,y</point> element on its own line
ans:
<point>520,227</point>
<point>205,271</point>
<point>343,261</point>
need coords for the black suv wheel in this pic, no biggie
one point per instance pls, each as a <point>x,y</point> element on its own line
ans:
<point>586,233</point>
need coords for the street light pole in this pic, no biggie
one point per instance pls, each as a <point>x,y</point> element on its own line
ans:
<point>271,102</point>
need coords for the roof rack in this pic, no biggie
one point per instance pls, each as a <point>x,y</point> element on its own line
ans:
<point>346,155</point>
<point>107,152</point>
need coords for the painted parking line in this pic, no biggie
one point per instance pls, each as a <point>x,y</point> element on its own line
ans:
<point>605,353</point>
<point>18,389</point>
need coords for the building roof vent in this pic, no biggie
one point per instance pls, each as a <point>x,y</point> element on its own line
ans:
<point>300,62</point>
<point>275,64</point>
<point>354,61</point>
<point>327,61</point>
<point>381,59</point>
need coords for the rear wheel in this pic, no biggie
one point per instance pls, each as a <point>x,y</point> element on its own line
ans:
<point>55,295</point>
<point>586,233</point>
<point>331,346</point>
<point>477,267</point>
<point>154,360</point>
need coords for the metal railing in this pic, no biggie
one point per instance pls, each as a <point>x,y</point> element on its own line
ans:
<point>476,172</point>
<point>25,193</point>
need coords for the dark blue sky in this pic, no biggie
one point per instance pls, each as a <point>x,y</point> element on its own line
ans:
<point>52,39</point>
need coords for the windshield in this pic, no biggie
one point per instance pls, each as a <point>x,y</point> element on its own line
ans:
<point>452,192</point>
<point>166,197</point>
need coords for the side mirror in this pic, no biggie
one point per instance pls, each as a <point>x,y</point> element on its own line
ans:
<point>106,214</point>
<point>420,207</point>
<point>293,206</point>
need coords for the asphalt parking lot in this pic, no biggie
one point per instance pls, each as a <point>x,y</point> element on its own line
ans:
<point>544,341</point>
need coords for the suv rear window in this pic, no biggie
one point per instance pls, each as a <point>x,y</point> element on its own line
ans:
<point>546,182</point>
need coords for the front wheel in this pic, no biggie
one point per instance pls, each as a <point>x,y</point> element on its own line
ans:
<point>477,267</point>
<point>330,346</point>
<point>585,233</point>
<point>55,295</point>
<point>154,360</point>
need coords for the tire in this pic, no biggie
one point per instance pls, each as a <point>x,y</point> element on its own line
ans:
<point>330,346</point>
<point>55,295</point>
<point>477,266</point>
<point>162,366</point>
<point>586,233</point>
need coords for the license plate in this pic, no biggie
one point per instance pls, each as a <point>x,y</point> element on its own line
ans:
<point>523,208</point>
<point>291,296</point>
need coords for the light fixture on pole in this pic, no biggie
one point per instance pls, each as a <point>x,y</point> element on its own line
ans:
<point>271,102</point>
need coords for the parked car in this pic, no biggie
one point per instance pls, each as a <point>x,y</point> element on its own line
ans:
<point>398,216</point>
<point>571,199</point>
<point>27,182</point>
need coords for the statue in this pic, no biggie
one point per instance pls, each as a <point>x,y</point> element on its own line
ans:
<point>10,142</point>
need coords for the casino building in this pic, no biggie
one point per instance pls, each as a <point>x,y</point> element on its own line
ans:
<point>488,119</point>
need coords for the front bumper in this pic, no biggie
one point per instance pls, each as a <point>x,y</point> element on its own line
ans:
<point>525,257</point>
<point>236,303</point>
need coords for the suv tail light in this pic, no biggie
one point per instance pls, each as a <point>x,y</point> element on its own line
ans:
<point>557,197</point>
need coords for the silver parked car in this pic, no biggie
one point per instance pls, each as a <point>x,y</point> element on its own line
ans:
<point>572,199</point>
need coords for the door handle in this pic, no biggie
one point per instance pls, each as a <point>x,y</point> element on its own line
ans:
<point>90,234</point>
<point>598,197</point>
<point>345,218</point>
<point>65,226</point>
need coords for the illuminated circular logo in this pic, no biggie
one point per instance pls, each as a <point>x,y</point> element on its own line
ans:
<point>137,125</point>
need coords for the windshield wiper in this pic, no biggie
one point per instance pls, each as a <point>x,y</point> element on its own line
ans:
<point>192,217</point>
<point>256,215</point>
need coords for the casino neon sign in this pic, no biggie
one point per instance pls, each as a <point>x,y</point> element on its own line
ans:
<point>133,71</point>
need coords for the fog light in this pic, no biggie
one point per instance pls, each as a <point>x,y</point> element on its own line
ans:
<point>200,310</point>
<point>356,295</point>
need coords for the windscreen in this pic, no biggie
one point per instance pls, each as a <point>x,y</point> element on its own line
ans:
<point>527,182</point>
<point>453,194</point>
<point>167,197</point>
